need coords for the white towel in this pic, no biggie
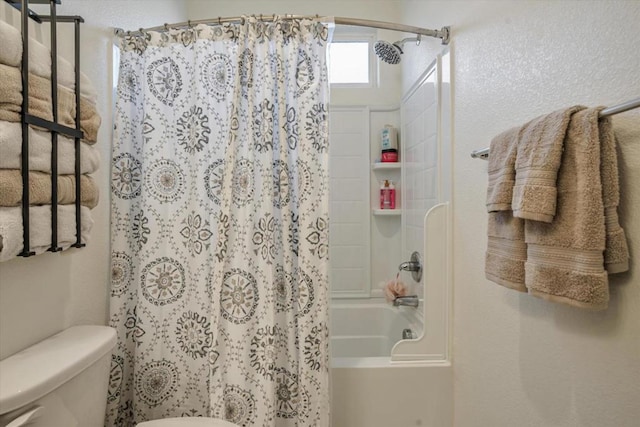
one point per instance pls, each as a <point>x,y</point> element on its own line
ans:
<point>67,78</point>
<point>40,229</point>
<point>40,151</point>
<point>39,59</point>
<point>11,52</point>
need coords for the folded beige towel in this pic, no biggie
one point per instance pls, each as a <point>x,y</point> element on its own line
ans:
<point>40,189</point>
<point>502,170</point>
<point>616,254</point>
<point>538,159</point>
<point>66,107</point>
<point>10,93</point>
<point>40,151</point>
<point>11,51</point>
<point>40,229</point>
<point>565,257</point>
<point>506,251</point>
<point>89,118</point>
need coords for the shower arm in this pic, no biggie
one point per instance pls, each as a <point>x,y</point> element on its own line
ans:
<point>444,33</point>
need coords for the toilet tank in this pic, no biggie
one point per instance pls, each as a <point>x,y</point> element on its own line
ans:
<point>61,381</point>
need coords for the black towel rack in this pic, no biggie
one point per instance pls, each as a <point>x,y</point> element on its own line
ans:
<point>53,126</point>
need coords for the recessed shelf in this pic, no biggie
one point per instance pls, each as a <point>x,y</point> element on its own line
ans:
<point>386,165</point>
<point>387,212</point>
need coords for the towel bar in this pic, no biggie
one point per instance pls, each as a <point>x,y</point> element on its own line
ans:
<point>620,108</point>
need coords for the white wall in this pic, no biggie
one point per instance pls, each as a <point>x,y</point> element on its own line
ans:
<point>519,360</point>
<point>42,295</point>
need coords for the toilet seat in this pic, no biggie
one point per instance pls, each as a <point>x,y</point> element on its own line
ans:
<point>187,422</point>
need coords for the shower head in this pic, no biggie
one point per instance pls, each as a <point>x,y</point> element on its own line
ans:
<point>390,52</point>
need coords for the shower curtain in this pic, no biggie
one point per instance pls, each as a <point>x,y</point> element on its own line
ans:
<point>219,184</point>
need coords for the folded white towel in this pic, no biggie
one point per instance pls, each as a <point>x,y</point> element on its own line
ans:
<point>67,78</point>
<point>40,151</point>
<point>39,59</point>
<point>11,52</point>
<point>66,73</point>
<point>40,228</point>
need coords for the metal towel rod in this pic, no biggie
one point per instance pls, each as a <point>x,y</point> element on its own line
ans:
<point>620,108</point>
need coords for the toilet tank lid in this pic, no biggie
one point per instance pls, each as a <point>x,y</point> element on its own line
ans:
<point>45,366</point>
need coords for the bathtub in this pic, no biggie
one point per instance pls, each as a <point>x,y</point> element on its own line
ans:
<point>368,388</point>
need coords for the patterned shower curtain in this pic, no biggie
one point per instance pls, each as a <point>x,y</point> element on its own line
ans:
<point>219,218</point>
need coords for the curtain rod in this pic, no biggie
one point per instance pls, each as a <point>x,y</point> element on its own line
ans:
<point>444,33</point>
<point>620,108</point>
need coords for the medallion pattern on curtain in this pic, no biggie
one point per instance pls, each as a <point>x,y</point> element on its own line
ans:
<point>219,181</point>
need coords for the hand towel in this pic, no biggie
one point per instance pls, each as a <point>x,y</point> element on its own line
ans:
<point>40,229</point>
<point>506,251</point>
<point>537,161</point>
<point>11,52</point>
<point>616,253</point>
<point>565,260</point>
<point>40,151</point>
<point>40,189</point>
<point>501,170</point>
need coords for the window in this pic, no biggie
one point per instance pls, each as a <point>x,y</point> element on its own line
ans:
<point>351,63</point>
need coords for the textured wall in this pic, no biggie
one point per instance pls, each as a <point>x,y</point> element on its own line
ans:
<point>519,360</point>
<point>42,295</point>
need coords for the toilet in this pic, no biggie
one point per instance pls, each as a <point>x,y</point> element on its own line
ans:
<point>63,381</point>
<point>60,381</point>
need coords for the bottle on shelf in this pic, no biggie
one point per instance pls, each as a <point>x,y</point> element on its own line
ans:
<point>387,195</point>
<point>389,143</point>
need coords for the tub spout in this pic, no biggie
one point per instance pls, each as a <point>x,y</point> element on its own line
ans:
<point>409,301</point>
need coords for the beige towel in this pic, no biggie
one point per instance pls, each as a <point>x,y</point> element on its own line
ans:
<point>39,94</point>
<point>506,251</point>
<point>89,118</point>
<point>40,189</point>
<point>11,50</point>
<point>66,107</point>
<point>40,229</point>
<point>10,93</point>
<point>565,257</point>
<point>616,254</point>
<point>40,151</point>
<point>538,159</point>
<point>502,170</point>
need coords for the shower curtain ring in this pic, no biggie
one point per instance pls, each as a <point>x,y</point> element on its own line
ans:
<point>166,26</point>
<point>219,20</point>
<point>274,17</point>
<point>261,19</point>
<point>419,38</point>
<point>188,24</point>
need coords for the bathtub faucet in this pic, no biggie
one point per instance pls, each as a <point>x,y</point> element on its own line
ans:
<point>409,301</point>
<point>414,266</point>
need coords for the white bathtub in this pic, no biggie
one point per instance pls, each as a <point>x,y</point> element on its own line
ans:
<point>368,389</point>
<point>368,329</point>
